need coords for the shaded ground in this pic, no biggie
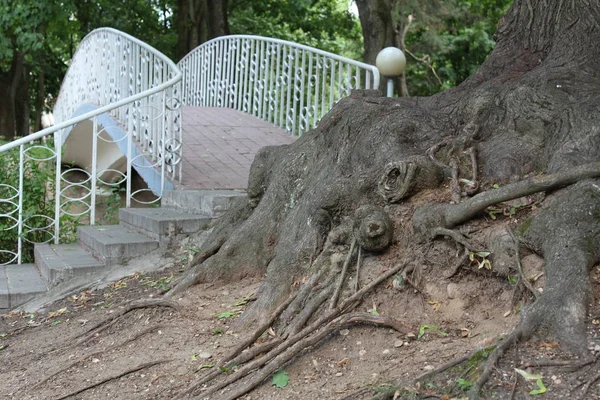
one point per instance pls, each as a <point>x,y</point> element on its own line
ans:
<point>449,318</point>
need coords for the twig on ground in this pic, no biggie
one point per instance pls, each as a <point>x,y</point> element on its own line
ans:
<point>111,378</point>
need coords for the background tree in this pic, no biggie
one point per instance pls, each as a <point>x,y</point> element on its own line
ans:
<point>31,34</point>
<point>445,41</point>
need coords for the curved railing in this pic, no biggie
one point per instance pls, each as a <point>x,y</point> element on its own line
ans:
<point>129,93</point>
<point>288,84</point>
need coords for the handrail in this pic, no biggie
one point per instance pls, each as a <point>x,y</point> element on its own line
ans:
<point>285,83</point>
<point>107,108</point>
<point>134,92</point>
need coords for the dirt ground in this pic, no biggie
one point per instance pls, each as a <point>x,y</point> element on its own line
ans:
<point>449,318</point>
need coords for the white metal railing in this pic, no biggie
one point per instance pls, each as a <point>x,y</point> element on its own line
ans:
<point>122,77</point>
<point>288,84</point>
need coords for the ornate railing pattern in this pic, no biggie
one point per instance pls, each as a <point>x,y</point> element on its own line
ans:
<point>285,83</point>
<point>139,88</point>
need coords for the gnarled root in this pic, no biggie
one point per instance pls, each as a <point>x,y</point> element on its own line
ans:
<point>281,349</point>
<point>568,235</point>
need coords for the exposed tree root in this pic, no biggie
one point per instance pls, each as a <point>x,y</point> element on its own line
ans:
<point>194,275</point>
<point>358,260</point>
<point>342,278</point>
<point>460,260</point>
<point>97,353</point>
<point>111,378</point>
<point>456,236</point>
<point>282,349</point>
<point>108,322</point>
<point>291,352</point>
<point>443,215</point>
<point>524,279</point>
<point>589,384</point>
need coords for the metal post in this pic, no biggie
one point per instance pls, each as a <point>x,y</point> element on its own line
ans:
<point>390,87</point>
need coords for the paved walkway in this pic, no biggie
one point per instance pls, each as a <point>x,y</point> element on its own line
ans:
<point>220,144</point>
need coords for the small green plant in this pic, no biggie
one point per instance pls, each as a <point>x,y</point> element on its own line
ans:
<point>162,284</point>
<point>433,328</point>
<point>228,314</point>
<point>464,384</point>
<point>218,331</point>
<point>512,279</point>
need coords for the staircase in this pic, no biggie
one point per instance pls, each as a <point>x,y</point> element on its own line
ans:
<point>102,247</point>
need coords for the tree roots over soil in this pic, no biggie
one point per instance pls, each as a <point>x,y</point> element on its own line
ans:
<point>391,177</point>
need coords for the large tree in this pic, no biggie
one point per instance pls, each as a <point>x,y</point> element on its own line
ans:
<point>530,110</point>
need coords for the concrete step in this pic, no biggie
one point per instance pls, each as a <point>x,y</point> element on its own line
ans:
<point>60,263</point>
<point>114,244</point>
<point>204,202</point>
<point>162,224</point>
<point>18,284</point>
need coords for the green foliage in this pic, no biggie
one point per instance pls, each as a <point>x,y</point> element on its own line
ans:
<point>37,203</point>
<point>323,24</point>
<point>148,20</point>
<point>454,37</point>
<point>432,328</point>
<point>464,384</point>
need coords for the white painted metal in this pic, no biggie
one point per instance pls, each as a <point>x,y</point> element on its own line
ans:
<point>139,88</point>
<point>288,84</point>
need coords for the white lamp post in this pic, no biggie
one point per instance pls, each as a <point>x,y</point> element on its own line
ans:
<point>391,63</point>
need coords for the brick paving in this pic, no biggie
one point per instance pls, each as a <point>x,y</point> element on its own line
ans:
<point>220,144</point>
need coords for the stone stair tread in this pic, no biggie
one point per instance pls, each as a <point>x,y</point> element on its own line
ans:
<point>164,214</point>
<point>162,224</point>
<point>114,234</point>
<point>114,244</point>
<point>201,201</point>
<point>61,262</point>
<point>19,283</point>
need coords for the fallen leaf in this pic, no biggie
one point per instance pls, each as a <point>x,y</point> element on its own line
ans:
<point>280,379</point>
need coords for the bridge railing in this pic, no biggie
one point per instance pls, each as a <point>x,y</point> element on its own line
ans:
<point>126,86</point>
<point>288,84</point>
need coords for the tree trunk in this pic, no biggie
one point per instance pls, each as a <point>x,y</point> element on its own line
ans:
<point>14,99</point>
<point>198,21</point>
<point>377,26</point>
<point>531,108</point>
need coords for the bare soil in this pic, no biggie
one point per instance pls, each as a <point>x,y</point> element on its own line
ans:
<point>449,318</point>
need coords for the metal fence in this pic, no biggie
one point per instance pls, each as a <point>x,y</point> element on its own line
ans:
<point>287,84</point>
<point>121,80</point>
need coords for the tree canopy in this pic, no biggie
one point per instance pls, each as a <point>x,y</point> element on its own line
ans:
<point>445,41</point>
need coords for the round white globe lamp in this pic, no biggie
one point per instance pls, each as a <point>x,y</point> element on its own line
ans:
<point>391,63</point>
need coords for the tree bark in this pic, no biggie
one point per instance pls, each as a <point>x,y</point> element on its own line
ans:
<point>377,26</point>
<point>14,99</point>
<point>198,21</point>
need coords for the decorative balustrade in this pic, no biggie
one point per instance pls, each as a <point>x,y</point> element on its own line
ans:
<point>288,84</point>
<point>130,95</point>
